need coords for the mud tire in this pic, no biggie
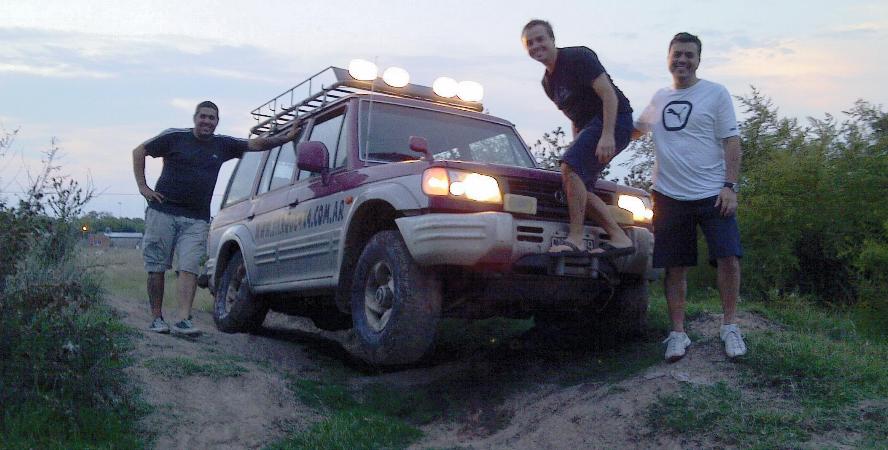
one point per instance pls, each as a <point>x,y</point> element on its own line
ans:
<point>396,304</point>
<point>235,308</point>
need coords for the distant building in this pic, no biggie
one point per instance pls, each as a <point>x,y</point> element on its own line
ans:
<point>113,239</point>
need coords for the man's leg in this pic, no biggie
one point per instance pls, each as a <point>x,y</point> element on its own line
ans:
<point>186,286</point>
<point>157,250</point>
<point>599,212</point>
<point>676,284</point>
<point>192,248</point>
<point>155,293</point>
<point>576,193</point>
<point>676,291</point>
<point>729,286</point>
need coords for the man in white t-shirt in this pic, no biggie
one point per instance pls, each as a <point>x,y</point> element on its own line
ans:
<point>697,151</point>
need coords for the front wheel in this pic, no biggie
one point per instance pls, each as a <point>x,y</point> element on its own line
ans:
<point>396,304</point>
<point>235,308</point>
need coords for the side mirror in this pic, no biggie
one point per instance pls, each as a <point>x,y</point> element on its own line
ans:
<point>419,144</point>
<point>312,156</point>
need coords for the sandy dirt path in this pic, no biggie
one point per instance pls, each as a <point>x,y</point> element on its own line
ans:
<point>258,407</point>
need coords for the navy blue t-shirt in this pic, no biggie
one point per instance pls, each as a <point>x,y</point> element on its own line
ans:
<point>570,86</point>
<point>190,169</point>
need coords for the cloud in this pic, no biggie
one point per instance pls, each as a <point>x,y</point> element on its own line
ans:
<point>857,31</point>
<point>60,70</point>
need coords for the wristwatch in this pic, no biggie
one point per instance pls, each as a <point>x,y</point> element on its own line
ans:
<point>732,186</point>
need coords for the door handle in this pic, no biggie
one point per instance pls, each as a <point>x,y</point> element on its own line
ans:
<point>293,203</point>
<point>251,217</point>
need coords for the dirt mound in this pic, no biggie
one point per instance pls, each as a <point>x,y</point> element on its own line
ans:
<point>600,414</point>
<point>510,397</point>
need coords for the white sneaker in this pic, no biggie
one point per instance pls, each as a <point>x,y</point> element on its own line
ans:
<point>676,344</point>
<point>158,325</point>
<point>734,345</point>
<point>186,327</point>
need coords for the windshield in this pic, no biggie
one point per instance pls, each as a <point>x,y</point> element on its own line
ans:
<point>386,130</point>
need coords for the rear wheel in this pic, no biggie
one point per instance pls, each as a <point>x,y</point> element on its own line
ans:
<point>396,304</point>
<point>236,309</point>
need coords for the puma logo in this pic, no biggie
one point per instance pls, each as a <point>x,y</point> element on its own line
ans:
<point>676,114</point>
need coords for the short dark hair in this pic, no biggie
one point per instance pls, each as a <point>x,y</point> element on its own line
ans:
<point>687,37</point>
<point>206,104</point>
<point>543,23</point>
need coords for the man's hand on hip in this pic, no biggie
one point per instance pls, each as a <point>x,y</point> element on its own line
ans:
<point>150,194</point>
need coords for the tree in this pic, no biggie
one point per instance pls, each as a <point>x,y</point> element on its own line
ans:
<point>548,151</point>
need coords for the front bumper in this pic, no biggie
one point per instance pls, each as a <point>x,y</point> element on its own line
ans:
<point>498,238</point>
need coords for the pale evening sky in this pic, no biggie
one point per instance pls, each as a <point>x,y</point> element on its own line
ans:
<point>103,76</point>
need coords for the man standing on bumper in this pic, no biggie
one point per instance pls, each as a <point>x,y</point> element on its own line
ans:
<point>602,123</point>
<point>178,213</point>
<point>697,151</point>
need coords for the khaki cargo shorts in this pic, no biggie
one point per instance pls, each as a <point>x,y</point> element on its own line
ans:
<point>166,234</point>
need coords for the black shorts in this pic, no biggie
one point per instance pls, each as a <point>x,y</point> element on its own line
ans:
<point>675,231</point>
<point>580,156</point>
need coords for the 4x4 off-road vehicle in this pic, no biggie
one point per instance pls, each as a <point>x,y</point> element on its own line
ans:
<point>396,207</point>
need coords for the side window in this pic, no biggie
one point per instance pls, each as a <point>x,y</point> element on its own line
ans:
<point>328,132</point>
<point>283,169</point>
<point>267,170</point>
<point>341,150</point>
<point>240,187</point>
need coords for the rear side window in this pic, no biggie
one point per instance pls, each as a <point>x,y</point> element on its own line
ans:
<point>240,187</point>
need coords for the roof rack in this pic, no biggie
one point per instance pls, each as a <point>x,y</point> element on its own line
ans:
<point>330,85</point>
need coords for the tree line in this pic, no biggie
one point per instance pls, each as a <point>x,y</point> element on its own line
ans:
<point>812,213</point>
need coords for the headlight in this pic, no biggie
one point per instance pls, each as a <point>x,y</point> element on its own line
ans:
<point>639,207</point>
<point>456,183</point>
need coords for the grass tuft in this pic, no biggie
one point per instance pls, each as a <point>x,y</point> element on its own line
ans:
<point>353,429</point>
<point>180,367</point>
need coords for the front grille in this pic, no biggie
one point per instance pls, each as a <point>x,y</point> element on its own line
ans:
<point>551,203</point>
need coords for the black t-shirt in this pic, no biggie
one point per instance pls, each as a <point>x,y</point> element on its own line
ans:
<point>570,85</point>
<point>190,169</point>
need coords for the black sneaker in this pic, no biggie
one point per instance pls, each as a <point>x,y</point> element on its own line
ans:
<point>158,325</point>
<point>185,327</point>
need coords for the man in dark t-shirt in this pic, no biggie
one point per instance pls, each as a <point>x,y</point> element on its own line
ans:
<point>601,119</point>
<point>178,213</point>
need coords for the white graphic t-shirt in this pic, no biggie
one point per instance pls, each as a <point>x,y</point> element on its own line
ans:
<point>688,126</point>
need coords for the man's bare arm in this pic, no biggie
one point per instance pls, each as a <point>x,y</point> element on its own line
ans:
<point>605,90</point>
<point>727,198</point>
<point>264,143</point>
<point>151,195</point>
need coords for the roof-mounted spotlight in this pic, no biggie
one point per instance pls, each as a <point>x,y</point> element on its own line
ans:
<point>445,87</point>
<point>362,70</point>
<point>470,91</point>
<point>396,77</point>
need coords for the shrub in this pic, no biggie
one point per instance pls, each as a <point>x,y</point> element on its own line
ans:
<point>61,351</point>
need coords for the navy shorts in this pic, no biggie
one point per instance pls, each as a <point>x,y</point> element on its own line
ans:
<point>675,231</point>
<point>580,156</point>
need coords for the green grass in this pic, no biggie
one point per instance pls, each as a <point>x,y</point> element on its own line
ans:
<point>179,367</point>
<point>352,429</point>
<point>41,424</point>
<point>381,417</point>
<point>816,376</point>
<point>124,276</point>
